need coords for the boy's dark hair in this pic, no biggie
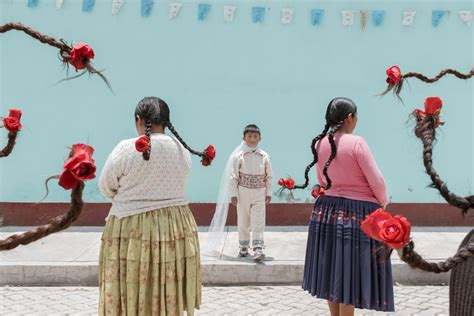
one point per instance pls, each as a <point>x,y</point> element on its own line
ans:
<point>251,128</point>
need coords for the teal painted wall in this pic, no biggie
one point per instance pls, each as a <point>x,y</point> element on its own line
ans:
<point>217,77</point>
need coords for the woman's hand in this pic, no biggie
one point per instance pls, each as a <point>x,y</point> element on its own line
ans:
<point>234,200</point>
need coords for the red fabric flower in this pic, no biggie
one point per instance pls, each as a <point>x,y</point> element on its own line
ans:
<point>433,107</point>
<point>79,167</point>
<point>394,75</point>
<point>80,55</point>
<point>393,231</point>
<point>318,191</point>
<point>142,144</point>
<point>208,156</point>
<point>12,121</point>
<point>287,183</point>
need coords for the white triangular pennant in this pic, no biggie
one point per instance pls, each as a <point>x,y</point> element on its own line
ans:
<point>229,12</point>
<point>287,15</point>
<point>408,17</point>
<point>347,17</point>
<point>466,16</point>
<point>174,9</point>
<point>116,6</point>
<point>59,4</point>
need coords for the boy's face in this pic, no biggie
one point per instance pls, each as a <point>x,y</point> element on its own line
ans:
<point>252,139</point>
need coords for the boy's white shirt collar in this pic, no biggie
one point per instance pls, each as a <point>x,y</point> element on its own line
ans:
<point>246,148</point>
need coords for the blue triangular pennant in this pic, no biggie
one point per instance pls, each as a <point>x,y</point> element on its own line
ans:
<point>258,14</point>
<point>436,17</point>
<point>316,16</point>
<point>378,17</point>
<point>203,11</point>
<point>87,5</point>
<point>147,6</point>
<point>32,3</point>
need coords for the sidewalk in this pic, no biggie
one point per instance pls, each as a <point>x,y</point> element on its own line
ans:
<point>70,258</point>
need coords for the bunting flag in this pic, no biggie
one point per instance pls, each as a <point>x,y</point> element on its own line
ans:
<point>437,16</point>
<point>59,4</point>
<point>146,7</point>
<point>363,20</point>
<point>316,16</point>
<point>466,16</point>
<point>229,12</point>
<point>32,3</point>
<point>258,14</point>
<point>287,15</point>
<point>408,17</point>
<point>377,17</point>
<point>203,11</point>
<point>116,6</point>
<point>347,17</point>
<point>174,9</point>
<point>88,5</point>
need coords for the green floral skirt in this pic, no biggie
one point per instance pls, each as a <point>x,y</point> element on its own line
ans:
<point>150,264</point>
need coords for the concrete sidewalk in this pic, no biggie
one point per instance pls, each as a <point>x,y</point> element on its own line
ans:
<point>70,258</point>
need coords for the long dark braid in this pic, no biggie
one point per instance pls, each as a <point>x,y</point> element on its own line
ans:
<point>426,131</point>
<point>333,154</point>
<point>414,260</point>
<point>181,140</point>
<point>56,224</point>
<point>64,48</point>
<point>337,111</point>
<point>155,111</point>
<point>397,87</point>
<point>9,146</point>
<point>315,158</point>
<point>146,153</point>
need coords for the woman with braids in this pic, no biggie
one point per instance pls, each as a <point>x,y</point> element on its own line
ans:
<point>342,264</point>
<point>149,261</point>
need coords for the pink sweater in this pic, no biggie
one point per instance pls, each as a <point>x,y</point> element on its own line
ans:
<point>354,172</point>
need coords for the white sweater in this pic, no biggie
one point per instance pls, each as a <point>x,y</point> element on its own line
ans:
<point>135,186</point>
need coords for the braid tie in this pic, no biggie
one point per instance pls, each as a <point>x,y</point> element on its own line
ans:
<point>54,225</point>
<point>425,130</point>
<point>414,260</point>
<point>10,144</point>
<point>315,158</point>
<point>181,140</point>
<point>334,129</point>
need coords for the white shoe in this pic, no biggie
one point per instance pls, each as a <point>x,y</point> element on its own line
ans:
<point>258,254</point>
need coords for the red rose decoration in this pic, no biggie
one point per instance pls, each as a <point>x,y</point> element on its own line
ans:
<point>433,105</point>
<point>281,182</point>
<point>142,144</point>
<point>394,75</point>
<point>289,183</point>
<point>318,191</point>
<point>80,55</point>
<point>12,121</point>
<point>393,231</point>
<point>79,167</point>
<point>208,156</point>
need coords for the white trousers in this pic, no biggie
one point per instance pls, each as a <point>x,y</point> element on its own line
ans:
<point>251,216</point>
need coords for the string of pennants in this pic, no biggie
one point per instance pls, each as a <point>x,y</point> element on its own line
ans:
<point>257,13</point>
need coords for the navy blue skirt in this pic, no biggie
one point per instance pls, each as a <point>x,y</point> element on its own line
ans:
<point>342,264</point>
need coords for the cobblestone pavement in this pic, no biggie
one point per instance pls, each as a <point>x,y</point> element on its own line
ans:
<point>241,300</point>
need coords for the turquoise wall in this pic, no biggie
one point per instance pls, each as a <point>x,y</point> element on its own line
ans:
<point>217,77</point>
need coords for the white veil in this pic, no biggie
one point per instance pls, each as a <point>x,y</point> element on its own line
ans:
<point>212,243</point>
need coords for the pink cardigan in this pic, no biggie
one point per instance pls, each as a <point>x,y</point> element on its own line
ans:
<point>354,172</point>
